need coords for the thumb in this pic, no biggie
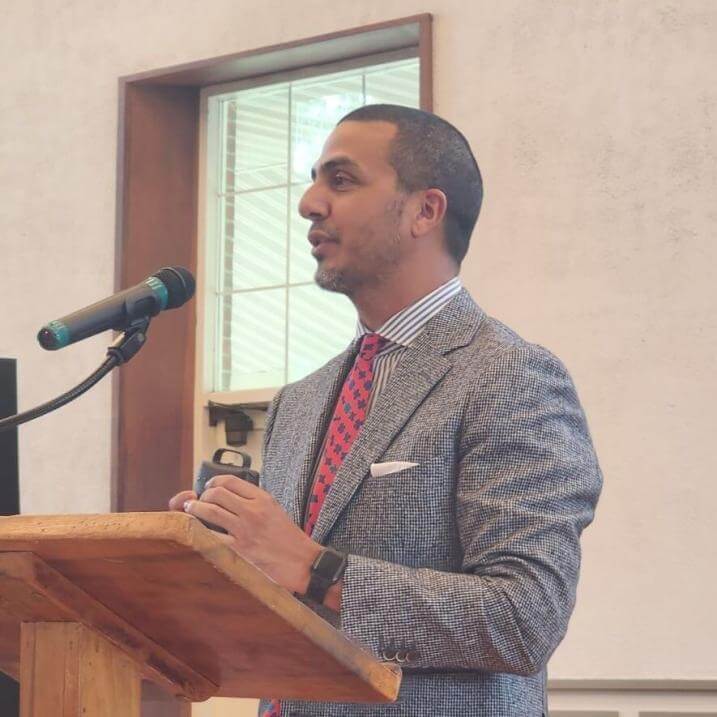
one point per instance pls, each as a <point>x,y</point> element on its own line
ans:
<point>176,502</point>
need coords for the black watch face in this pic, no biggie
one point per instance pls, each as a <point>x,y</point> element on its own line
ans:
<point>330,565</point>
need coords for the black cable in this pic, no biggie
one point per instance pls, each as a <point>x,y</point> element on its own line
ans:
<point>109,363</point>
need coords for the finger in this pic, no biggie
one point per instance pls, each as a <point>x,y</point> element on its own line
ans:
<point>225,538</point>
<point>224,498</point>
<point>211,513</point>
<point>177,502</point>
<point>236,485</point>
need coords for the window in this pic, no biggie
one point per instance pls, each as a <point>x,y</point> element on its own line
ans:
<point>266,323</point>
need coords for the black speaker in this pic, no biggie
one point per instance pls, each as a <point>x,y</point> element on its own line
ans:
<point>9,482</point>
<point>9,500</point>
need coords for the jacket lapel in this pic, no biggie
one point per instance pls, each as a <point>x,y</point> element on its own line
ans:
<point>406,390</point>
<point>320,401</point>
<point>422,367</point>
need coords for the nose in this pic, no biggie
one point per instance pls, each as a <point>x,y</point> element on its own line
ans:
<point>313,205</point>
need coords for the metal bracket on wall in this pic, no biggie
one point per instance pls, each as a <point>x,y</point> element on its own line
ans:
<point>237,423</point>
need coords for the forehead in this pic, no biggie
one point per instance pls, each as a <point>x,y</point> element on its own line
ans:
<point>367,144</point>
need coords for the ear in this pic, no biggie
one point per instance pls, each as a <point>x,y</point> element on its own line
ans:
<point>432,205</point>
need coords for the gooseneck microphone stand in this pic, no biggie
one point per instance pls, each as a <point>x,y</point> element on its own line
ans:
<point>124,348</point>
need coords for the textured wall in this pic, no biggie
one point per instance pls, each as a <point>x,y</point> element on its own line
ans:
<point>593,122</point>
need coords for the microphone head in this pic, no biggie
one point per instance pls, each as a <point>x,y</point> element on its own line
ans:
<point>53,336</point>
<point>179,282</point>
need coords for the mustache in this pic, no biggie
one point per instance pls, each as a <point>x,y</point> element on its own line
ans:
<point>324,231</point>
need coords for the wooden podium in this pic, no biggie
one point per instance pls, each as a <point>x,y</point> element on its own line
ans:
<point>92,604</point>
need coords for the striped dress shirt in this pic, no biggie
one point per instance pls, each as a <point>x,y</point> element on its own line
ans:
<point>400,330</point>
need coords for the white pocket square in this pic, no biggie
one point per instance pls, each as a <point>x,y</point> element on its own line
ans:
<point>384,469</point>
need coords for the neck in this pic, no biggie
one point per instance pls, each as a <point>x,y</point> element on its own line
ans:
<point>375,305</point>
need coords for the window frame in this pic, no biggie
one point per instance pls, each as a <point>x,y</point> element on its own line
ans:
<point>208,260</point>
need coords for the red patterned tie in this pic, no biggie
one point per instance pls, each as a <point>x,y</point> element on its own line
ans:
<point>349,416</point>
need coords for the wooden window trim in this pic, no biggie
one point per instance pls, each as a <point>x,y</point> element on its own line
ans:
<point>157,204</point>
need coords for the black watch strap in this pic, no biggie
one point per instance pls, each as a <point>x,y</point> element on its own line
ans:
<point>326,571</point>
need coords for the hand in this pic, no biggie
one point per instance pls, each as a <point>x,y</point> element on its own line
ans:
<point>258,528</point>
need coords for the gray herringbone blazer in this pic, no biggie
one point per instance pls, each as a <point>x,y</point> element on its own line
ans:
<point>464,567</point>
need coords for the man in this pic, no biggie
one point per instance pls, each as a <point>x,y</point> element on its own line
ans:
<point>444,460</point>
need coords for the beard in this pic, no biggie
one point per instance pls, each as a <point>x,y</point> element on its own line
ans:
<point>332,280</point>
<point>371,268</point>
<point>377,256</point>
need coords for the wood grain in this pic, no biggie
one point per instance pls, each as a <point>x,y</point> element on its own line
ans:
<point>32,591</point>
<point>158,225</point>
<point>322,49</point>
<point>68,670</point>
<point>425,53</point>
<point>173,580</point>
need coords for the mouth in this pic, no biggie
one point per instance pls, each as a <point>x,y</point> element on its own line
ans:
<point>321,242</point>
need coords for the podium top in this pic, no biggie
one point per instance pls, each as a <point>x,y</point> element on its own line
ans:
<point>202,620</point>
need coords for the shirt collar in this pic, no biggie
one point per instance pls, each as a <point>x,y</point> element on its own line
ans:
<point>403,327</point>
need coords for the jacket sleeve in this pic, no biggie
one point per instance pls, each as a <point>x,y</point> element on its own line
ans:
<point>527,484</point>
<point>271,412</point>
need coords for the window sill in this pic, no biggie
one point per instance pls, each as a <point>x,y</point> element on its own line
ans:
<point>256,398</point>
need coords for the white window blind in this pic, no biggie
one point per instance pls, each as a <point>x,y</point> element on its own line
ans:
<point>267,322</point>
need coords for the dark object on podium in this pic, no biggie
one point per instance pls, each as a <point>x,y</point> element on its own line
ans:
<point>9,500</point>
<point>216,467</point>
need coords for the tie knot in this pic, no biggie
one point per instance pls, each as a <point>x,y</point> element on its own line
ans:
<point>371,344</point>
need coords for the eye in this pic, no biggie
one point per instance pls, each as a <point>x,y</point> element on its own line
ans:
<point>340,180</point>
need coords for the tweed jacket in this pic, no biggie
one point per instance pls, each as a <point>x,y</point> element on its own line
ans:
<point>462,568</point>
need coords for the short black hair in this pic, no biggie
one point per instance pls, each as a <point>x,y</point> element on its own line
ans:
<point>429,152</point>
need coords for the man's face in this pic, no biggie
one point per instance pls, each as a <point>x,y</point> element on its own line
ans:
<point>355,208</point>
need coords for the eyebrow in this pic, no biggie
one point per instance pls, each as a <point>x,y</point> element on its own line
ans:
<point>334,163</point>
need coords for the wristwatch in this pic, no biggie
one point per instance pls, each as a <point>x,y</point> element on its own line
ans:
<point>326,571</point>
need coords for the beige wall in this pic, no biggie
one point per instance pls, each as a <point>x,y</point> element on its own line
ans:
<point>594,124</point>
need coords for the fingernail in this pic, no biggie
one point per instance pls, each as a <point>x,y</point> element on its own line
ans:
<point>187,506</point>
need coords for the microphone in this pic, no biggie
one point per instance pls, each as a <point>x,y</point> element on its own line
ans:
<point>168,288</point>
